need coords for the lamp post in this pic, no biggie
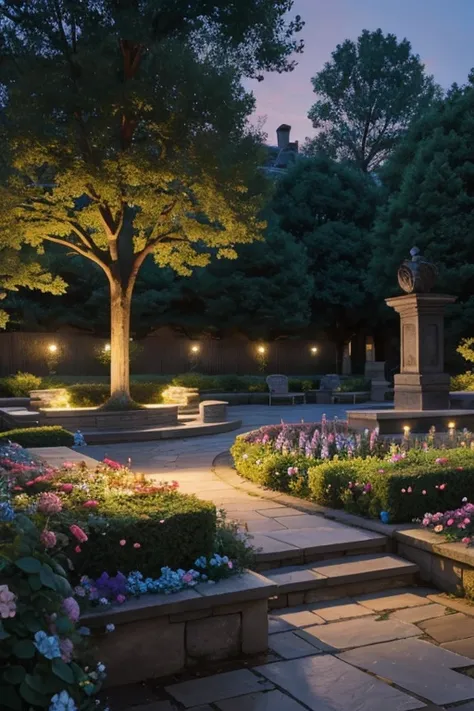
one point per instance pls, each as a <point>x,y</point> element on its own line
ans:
<point>194,353</point>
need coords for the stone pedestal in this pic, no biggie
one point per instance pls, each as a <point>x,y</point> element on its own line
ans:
<point>375,372</point>
<point>421,384</point>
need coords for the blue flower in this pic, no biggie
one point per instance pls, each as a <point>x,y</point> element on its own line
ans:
<point>7,514</point>
<point>47,646</point>
<point>62,702</point>
<point>84,631</point>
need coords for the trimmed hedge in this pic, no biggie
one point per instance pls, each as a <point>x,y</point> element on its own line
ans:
<point>96,394</point>
<point>39,437</point>
<point>172,530</point>
<point>396,487</point>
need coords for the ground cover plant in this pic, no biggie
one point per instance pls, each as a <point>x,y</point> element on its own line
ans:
<point>361,472</point>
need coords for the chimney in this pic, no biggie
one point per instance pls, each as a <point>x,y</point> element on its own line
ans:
<point>283,136</point>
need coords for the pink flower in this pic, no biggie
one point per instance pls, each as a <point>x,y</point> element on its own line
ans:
<point>48,539</point>
<point>71,608</point>
<point>137,545</point>
<point>404,491</point>
<point>292,471</point>
<point>67,488</point>
<point>162,520</point>
<point>77,549</point>
<point>49,503</point>
<point>381,471</point>
<point>7,602</point>
<point>442,487</point>
<point>123,542</point>
<point>441,460</point>
<point>91,504</point>
<point>111,463</point>
<point>438,528</point>
<point>68,465</point>
<point>67,648</point>
<point>175,484</point>
<point>230,565</point>
<point>424,492</point>
<point>426,521</point>
<point>409,490</point>
<point>450,521</point>
<point>459,469</point>
<point>188,578</point>
<point>466,540</point>
<point>467,521</point>
<point>78,533</point>
<point>121,599</point>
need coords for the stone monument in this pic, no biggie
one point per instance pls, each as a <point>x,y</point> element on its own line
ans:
<point>422,387</point>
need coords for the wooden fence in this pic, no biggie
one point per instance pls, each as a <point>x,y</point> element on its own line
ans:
<point>164,352</point>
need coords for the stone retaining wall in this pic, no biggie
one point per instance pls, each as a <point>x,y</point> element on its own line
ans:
<point>94,418</point>
<point>156,636</point>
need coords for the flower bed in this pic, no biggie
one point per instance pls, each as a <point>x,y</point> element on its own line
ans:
<point>359,472</point>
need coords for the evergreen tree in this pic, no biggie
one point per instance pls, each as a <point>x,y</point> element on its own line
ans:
<point>135,139</point>
<point>368,95</point>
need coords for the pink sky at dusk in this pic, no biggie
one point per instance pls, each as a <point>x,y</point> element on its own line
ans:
<point>440,31</point>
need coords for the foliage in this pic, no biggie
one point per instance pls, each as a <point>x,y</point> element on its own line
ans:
<point>104,355</point>
<point>53,436</point>
<point>466,349</point>
<point>96,394</point>
<point>404,486</point>
<point>368,95</point>
<point>21,384</point>
<point>354,385</point>
<point>115,165</point>
<point>429,179</point>
<point>40,645</point>
<point>329,207</point>
<point>463,381</point>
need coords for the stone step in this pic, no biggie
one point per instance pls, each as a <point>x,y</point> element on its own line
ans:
<point>340,577</point>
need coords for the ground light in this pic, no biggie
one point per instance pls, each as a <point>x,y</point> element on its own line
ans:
<point>314,350</point>
<point>52,348</point>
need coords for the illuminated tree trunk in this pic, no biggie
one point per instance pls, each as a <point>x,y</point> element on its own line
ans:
<point>120,307</point>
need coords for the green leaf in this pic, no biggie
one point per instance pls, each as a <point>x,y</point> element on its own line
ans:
<point>31,622</point>
<point>35,582</point>
<point>10,698</point>
<point>62,586</point>
<point>29,565</point>
<point>24,649</point>
<point>3,633</point>
<point>31,696</point>
<point>59,569</point>
<point>36,683</point>
<point>63,671</point>
<point>64,625</point>
<point>14,674</point>
<point>47,577</point>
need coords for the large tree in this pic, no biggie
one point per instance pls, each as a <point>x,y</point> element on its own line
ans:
<point>367,96</point>
<point>125,133</point>
<point>330,207</point>
<point>430,204</point>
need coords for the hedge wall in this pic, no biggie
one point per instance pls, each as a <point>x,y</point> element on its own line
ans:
<point>39,437</point>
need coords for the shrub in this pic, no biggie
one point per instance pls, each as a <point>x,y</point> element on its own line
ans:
<point>96,394</point>
<point>231,383</point>
<point>172,530</point>
<point>354,385</point>
<point>464,381</point>
<point>435,480</point>
<point>21,384</point>
<point>39,437</point>
<point>195,380</point>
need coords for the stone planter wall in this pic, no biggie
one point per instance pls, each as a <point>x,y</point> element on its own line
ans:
<point>156,636</point>
<point>93,418</point>
<point>213,411</point>
<point>448,566</point>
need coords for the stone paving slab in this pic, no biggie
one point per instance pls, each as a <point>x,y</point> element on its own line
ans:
<point>301,616</point>
<point>363,567</point>
<point>340,610</point>
<point>397,599</point>
<point>264,525</point>
<point>280,512</point>
<point>290,646</point>
<point>216,688</point>
<point>295,579</point>
<point>325,683</point>
<point>449,627</point>
<point>419,614</point>
<point>360,632</point>
<point>325,540</point>
<point>276,624</point>
<point>419,667</point>
<point>267,545</point>
<point>265,701</point>
<point>461,646</point>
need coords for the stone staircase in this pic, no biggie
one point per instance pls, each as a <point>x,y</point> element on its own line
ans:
<point>338,570</point>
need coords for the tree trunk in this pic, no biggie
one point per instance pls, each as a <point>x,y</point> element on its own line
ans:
<point>120,307</point>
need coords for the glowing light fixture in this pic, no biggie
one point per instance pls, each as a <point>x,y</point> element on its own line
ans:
<point>107,347</point>
<point>261,350</point>
<point>195,348</point>
<point>314,350</point>
<point>406,430</point>
<point>52,348</point>
<point>451,425</point>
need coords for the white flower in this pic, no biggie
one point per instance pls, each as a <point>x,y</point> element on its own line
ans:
<point>110,627</point>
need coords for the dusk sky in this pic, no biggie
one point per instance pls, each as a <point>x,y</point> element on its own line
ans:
<point>440,31</point>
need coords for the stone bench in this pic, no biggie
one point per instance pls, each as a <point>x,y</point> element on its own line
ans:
<point>186,398</point>
<point>213,411</point>
<point>159,635</point>
<point>91,418</point>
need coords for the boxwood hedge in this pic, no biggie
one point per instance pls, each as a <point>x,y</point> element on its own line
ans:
<point>54,436</point>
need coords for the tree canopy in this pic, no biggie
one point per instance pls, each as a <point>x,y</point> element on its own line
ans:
<point>135,141</point>
<point>367,96</point>
<point>430,204</point>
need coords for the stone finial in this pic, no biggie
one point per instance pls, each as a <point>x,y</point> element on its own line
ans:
<point>417,275</point>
